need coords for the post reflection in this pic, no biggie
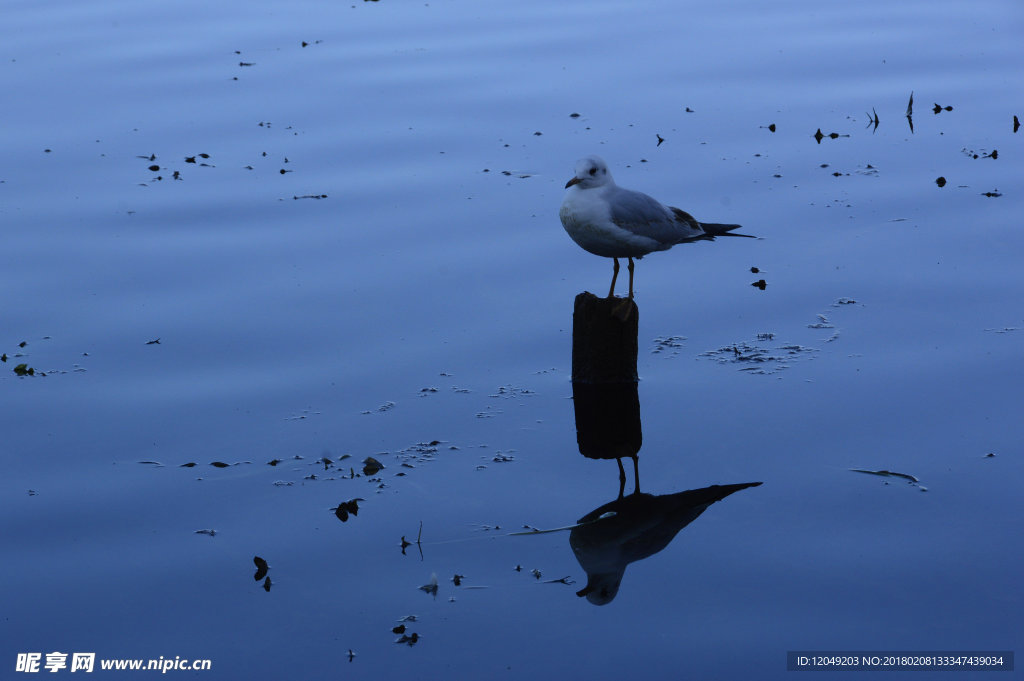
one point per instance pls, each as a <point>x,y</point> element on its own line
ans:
<point>607,408</point>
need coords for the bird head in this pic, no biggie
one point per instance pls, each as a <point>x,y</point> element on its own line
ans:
<point>591,172</point>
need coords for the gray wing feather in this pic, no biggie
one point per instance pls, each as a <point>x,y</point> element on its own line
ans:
<point>643,215</point>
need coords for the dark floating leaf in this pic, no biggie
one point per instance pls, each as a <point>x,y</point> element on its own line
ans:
<point>247,63</point>
<point>660,139</point>
<point>1016,123</point>
<point>190,464</point>
<point>261,568</point>
<point>273,462</point>
<point>818,136</point>
<point>266,584</point>
<point>910,105</point>
<point>154,168</point>
<point>219,464</point>
<point>190,159</point>
<point>400,629</point>
<point>351,655</point>
<point>408,639</point>
<point>155,341</point>
<point>371,466</point>
<point>989,455</point>
<point>941,181</point>
<point>761,284</point>
<point>211,533</point>
<point>937,108</point>
<point>457,580</point>
<point>754,270</point>
<point>992,194</point>
<point>22,344</point>
<point>24,370</point>
<point>576,115</point>
<point>344,508</point>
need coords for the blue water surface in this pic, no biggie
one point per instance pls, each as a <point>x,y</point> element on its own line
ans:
<point>268,231</point>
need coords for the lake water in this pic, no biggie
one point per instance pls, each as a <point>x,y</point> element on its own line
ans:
<point>268,231</point>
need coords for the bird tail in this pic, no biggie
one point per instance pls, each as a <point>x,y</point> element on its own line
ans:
<point>715,229</point>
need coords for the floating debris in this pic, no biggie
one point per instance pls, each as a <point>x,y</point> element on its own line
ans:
<point>509,391</point>
<point>911,480</point>
<point>660,139</point>
<point>759,360</point>
<point>536,573</point>
<point>387,406</point>
<point>261,568</point>
<point>408,639</point>
<point>431,586</point>
<point>371,466</point>
<point>992,194</point>
<point>819,135</point>
<point>887,474</point>
<point>155,341</point>
<point>666,343</point>
<point>219,464</point>
<point>938,108</point>
<point>941,181</point>
<point>190,464</point>
<point>343,509</point>
<point>457,579</point>
<point>760,283</point>
<point>563,580</point>
<point>24,370</point>
<point>400,629</point>
<point>210,533</point>
<point>266,584</point>
<point>873,120</point>
<point>153,463</point>
<point>822,323</point>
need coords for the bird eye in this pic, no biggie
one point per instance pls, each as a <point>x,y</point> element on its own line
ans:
<point>593,171</point>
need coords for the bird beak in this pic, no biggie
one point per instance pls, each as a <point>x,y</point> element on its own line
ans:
<point>571,182</point>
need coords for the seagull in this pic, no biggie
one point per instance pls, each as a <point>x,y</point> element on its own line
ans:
<point>607,220</point>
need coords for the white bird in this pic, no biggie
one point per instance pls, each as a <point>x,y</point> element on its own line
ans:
<point>613,222</point>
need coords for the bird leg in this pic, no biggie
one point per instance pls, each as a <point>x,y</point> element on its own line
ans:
<point>631,278</point>
<point>622,477</point>
<point>615,275</point>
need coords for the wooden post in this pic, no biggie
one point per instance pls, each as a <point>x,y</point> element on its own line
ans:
<point>604,380</point>
<point>604,339</point>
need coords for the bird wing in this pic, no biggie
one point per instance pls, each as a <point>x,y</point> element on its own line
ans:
<point>643,215</point>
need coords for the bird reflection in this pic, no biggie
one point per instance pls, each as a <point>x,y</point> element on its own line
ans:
<point>632,528</point>
<point>607,409</point>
